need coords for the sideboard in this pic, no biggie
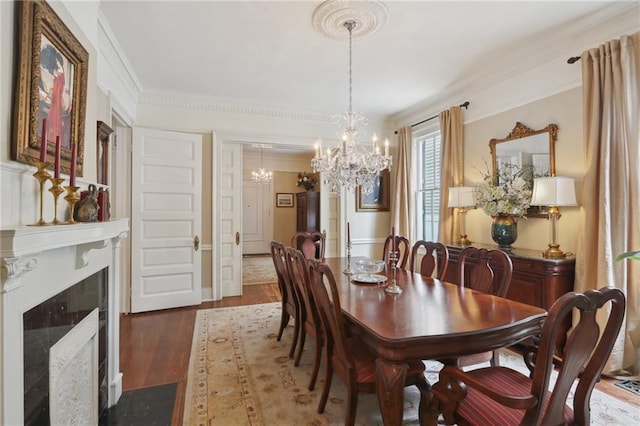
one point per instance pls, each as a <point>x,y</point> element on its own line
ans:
<point>535,281</point>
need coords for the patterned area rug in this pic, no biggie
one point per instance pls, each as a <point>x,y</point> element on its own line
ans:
<point>239,374</point>
<point>258,270</point>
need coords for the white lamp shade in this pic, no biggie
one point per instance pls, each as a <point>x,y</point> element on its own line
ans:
<point>461,196</point>
<point>553,191</point>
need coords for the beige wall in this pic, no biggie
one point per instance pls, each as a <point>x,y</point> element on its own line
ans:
<point>563,109</point>
<point>284,218</point>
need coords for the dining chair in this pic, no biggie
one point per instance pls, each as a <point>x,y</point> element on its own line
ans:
<point>348,357</point>
<point>403,247</point>
<point>309,318</point>
<point>290,303</point>
<point>436,258</point>
<point>312,244</point>
<point>500,395</point>
<point>488,271</point>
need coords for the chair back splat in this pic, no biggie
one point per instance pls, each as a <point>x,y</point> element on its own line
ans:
<point>403,247</point>
<point>309,319</point>
<point>290,303</point>
<point>488,271</point>
<point>436,258</point>
<point>312,244</point>
<point>500,395</point>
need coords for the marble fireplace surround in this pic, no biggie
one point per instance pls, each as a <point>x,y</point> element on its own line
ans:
<point>38,263</point>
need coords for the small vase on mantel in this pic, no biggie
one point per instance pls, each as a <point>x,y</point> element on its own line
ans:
<point>504,230</point>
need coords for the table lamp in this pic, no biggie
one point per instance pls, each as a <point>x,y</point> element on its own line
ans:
<point>462,197</point>
<point>553,192</point>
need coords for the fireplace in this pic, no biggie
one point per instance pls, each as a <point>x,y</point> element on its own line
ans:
<point>48,325</point>
<point>59,306</point>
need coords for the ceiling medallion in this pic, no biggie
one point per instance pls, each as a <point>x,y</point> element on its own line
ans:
<point>369,16</point>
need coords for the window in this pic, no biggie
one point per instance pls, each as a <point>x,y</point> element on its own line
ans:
<point>428,188</point>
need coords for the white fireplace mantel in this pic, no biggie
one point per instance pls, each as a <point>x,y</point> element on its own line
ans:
<point>38,262</point>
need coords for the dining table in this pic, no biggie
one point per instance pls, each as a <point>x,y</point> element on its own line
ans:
<point>428,319</point>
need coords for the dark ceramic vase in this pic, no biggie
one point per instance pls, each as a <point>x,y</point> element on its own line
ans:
<point>504,230</point>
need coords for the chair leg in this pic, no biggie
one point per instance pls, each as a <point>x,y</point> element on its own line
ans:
<point>317,354</point>
<point>328,376</point>
<point>301,340</point>
<point>423,409</point>
<point>294,342</point>
<point>352,404</point>
<point>284,321</point>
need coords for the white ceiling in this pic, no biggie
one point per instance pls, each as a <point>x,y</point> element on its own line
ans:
<point>268,53</point>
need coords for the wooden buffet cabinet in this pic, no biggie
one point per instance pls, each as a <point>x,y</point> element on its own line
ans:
<point>535,281</point>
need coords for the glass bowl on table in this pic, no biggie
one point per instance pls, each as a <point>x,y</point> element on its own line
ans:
<point>368,271</point>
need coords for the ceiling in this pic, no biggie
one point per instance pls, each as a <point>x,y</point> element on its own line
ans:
<point>268,53</point>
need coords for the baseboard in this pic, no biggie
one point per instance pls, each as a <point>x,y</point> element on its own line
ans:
<point>115,390</point>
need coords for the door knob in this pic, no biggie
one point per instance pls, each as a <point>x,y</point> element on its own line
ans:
<point>237,238</point>
<point>196,243</point>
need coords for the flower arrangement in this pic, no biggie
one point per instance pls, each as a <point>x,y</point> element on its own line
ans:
<point>511,196</point>
<point>307,180</point>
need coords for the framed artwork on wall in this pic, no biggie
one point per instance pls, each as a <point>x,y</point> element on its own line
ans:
<point>51,87</point>
<point>379,199</point>
<point>284,199</point>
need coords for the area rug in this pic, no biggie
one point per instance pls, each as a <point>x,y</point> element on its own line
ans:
<point>240,375</point>
<point>258,270</point>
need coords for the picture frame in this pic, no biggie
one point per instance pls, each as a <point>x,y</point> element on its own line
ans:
<point>379,199</point>
<point>284,199</point>
<point>51,84</point>
<point>102,149</point>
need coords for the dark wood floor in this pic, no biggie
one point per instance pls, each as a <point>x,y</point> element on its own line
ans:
<point>155,346</point>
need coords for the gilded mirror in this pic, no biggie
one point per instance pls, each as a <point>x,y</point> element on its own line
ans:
<point>525,148</point>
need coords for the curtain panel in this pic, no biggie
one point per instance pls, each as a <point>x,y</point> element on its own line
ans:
<point>611,190</point>
<point>402,210</point>
<point>452,169</point>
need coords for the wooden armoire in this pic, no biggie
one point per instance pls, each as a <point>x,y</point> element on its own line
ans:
<point>308,211</point>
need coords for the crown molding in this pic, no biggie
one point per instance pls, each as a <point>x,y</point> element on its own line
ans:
<point>615,20</point>
<point>233,107</point>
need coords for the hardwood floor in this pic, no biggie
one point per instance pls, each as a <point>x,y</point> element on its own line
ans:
<point>155,346</point>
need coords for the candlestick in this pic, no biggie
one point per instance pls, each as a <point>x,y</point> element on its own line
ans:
<point>386,147</point>
<point>72,198</point>
<point>42,175</point>
<point>56,164</point>
<point>393,288</point>
<point>72,171</point>
<point>43,142</point>
<point>348,270</point>
<point>56,190</point>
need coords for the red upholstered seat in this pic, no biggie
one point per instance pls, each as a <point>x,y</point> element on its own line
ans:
<point>498,395</point>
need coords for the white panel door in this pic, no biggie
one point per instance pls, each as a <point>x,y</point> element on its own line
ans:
<point>165,220</point>
<point>257,224</point>
<point>230,213</point>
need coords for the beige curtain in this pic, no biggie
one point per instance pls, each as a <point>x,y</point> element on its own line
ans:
<point>452,171</point>
<point>402,208</point>
<point>611,191</point>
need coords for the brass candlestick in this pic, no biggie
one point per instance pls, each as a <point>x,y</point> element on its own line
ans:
<point>42,176</point>
<point>56,190</point>
<point>72,198</point>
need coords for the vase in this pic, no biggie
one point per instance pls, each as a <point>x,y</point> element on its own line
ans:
<point>504,230</point>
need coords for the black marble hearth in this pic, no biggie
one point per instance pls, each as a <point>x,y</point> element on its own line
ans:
<point>45,324</point>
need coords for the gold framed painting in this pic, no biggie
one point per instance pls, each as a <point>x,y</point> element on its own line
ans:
<point>51,87</point>
<point>284,199</point>
<point>379,199</point>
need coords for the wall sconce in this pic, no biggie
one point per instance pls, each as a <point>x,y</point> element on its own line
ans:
<point>462,198</point>
<point>554,192</point>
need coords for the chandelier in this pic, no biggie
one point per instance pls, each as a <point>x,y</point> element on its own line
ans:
<point>351,164</point>
<point>261,176</point>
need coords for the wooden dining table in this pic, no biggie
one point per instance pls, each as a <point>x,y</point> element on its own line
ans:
<point>430,319</point>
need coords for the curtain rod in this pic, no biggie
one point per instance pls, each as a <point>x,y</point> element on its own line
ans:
<point>464,105</point>
<point>573,59</point>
